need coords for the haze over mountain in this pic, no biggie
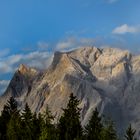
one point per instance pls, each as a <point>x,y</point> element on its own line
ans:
<point>106,78</point>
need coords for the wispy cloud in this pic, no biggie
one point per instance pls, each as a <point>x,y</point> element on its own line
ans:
<point>72,43</point>
<point>123,29</point>
<point>66,44</point>
<point>39,46</point>
<point>42,45</point>
<point>4,52</point>
<point>35,59</point>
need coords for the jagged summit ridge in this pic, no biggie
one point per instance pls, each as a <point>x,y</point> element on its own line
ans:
<point>23,69</point>
<point>106,78</point>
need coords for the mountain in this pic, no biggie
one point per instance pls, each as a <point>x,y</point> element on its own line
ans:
<point>106,78</point>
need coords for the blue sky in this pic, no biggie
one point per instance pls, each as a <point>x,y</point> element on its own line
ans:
<point>31,30</point>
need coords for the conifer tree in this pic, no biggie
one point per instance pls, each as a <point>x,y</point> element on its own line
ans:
<point>14,130</point>
<point>48,131</point>
<point>36,126</point>
<point>130,133</point>
<point>69,123</point>
<point>10,108</point>
<point>108,131</point>
<point>94,127</point>
<point>27,115</point>
<point>27,123</point>
<point>47,116</point>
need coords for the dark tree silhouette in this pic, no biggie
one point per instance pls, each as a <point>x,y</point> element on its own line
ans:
<point>69,124</point>
<point>130,133</point>
<point>10,109</point>
<point>94,127</point>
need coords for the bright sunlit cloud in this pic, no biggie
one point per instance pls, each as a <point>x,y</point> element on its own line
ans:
<point>123,29</point>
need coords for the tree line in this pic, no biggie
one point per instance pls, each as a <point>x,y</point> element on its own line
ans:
<point>25,125</point>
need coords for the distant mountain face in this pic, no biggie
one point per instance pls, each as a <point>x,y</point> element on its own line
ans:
<point>105,78</point>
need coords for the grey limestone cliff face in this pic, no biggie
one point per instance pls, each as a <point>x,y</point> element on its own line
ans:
<point>108,79</point>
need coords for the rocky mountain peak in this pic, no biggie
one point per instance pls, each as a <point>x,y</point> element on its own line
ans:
<point>106,78</point>
<point>60,58</point>
<point>23,69</point>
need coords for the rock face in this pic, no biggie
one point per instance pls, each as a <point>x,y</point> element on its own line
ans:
<point>105,78</point>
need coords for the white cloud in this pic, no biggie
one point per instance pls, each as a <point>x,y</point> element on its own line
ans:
<point>4,52</point>
<point>35,59</point>
<point>72,43</point>
<point>4,68</point>
<point>65,44</point>
<point>123,29</point>
<point>42,45</point>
